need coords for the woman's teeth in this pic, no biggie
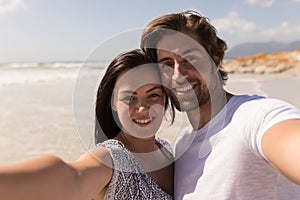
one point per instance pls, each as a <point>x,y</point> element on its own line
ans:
<point>142,121</point>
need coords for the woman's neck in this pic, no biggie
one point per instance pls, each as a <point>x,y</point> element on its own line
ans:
<point>137,145</point>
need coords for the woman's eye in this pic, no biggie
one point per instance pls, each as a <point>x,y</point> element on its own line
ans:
<point>154,95</point>
<point>127,99</point>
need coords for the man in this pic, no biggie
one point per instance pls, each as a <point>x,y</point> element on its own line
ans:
<point>238,146</point>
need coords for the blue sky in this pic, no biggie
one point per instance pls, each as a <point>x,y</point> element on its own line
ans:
<point>69,30</point>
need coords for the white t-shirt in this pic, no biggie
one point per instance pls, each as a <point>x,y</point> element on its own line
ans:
<point>224,160</point>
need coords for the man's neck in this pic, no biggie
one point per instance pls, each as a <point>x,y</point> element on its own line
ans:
<point>202,115</point>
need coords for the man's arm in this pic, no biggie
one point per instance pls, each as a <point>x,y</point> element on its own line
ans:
<point>281,146</point>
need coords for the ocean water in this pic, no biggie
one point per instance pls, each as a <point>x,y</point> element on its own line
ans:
<point>18,73</point>
<point>37,109</point>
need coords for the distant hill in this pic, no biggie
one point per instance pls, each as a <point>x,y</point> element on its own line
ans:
<point>261,63</point>
<point>251,48</point>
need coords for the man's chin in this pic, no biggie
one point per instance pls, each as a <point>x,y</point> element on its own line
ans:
<point>186,106</point>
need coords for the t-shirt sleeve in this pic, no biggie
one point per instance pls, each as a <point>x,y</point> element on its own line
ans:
<point>258,116</point>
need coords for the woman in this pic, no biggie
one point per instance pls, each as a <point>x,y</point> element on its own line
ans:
<point>132,164</point>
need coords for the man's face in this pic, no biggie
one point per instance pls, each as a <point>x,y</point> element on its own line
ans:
<point>187,71</point>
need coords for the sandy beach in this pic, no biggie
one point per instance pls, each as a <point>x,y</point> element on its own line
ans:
<point>37,117</point>
<point>282,85</point>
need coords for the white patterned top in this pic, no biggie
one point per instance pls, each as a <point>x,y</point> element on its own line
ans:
<point>129,179</point>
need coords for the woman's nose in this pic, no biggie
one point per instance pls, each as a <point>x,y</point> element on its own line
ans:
<point>142,106</point>
<point>141,109</point>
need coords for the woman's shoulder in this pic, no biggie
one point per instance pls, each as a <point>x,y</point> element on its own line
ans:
<point>162,142</point>
<point>123,159</point>
<point>165,147</point>
<point>111,144</point>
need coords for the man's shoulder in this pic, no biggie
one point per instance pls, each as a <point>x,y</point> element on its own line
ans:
<point>264,104</point>
<point>265,109</point>
<point>240,99</point>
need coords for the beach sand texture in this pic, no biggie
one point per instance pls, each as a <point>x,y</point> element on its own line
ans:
<point>37,117</point>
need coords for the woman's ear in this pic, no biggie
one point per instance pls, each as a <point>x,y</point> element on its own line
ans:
<point>113,103</point>
<point>113,107</point>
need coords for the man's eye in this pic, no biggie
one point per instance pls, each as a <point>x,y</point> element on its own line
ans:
<point>166,69</point>
<point>167,63</point>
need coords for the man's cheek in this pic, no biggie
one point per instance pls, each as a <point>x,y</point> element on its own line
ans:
<point>166,80</point>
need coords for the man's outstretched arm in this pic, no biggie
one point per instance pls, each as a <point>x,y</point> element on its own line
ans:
<point>281,146</point>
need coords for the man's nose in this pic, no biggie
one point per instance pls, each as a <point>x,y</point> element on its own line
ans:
<point>180,71</point>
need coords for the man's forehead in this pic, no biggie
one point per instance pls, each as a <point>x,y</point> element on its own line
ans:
<point>179,44</point>
<point>163,54</point>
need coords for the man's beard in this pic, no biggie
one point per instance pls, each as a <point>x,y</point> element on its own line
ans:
<point>200,97</point>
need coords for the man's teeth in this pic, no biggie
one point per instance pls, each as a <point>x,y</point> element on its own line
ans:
<point>143,121</point>
<point>184,88</point>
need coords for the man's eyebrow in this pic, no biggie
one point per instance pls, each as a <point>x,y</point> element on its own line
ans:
<point>191,50</point>
<point>164,59</point>
<point>182,54</point>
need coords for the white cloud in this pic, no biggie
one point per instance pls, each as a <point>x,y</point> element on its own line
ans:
<point>233,23</point>
<point>261,3</point>
<point>284,30</point>
<point>240,30</point>
<point>295,0</point>
<point>7,6</point>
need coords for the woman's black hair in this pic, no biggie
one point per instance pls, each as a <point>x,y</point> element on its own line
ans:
<point>107,122</point>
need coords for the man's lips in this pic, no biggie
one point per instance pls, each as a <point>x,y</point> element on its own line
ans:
<point>183,90</point>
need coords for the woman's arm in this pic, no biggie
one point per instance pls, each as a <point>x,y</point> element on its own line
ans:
<point>49,177</point>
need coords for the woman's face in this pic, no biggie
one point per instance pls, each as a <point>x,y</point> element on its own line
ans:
<point>139,101</point>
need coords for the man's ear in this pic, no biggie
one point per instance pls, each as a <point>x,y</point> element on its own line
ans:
<point>217,62</point>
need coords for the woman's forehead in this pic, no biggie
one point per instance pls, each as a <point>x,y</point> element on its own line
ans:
<point>137,77</point>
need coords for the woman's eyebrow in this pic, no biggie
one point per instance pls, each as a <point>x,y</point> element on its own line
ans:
<point>128,91</point>
<point>153,88</point>
<point>133,92</point>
